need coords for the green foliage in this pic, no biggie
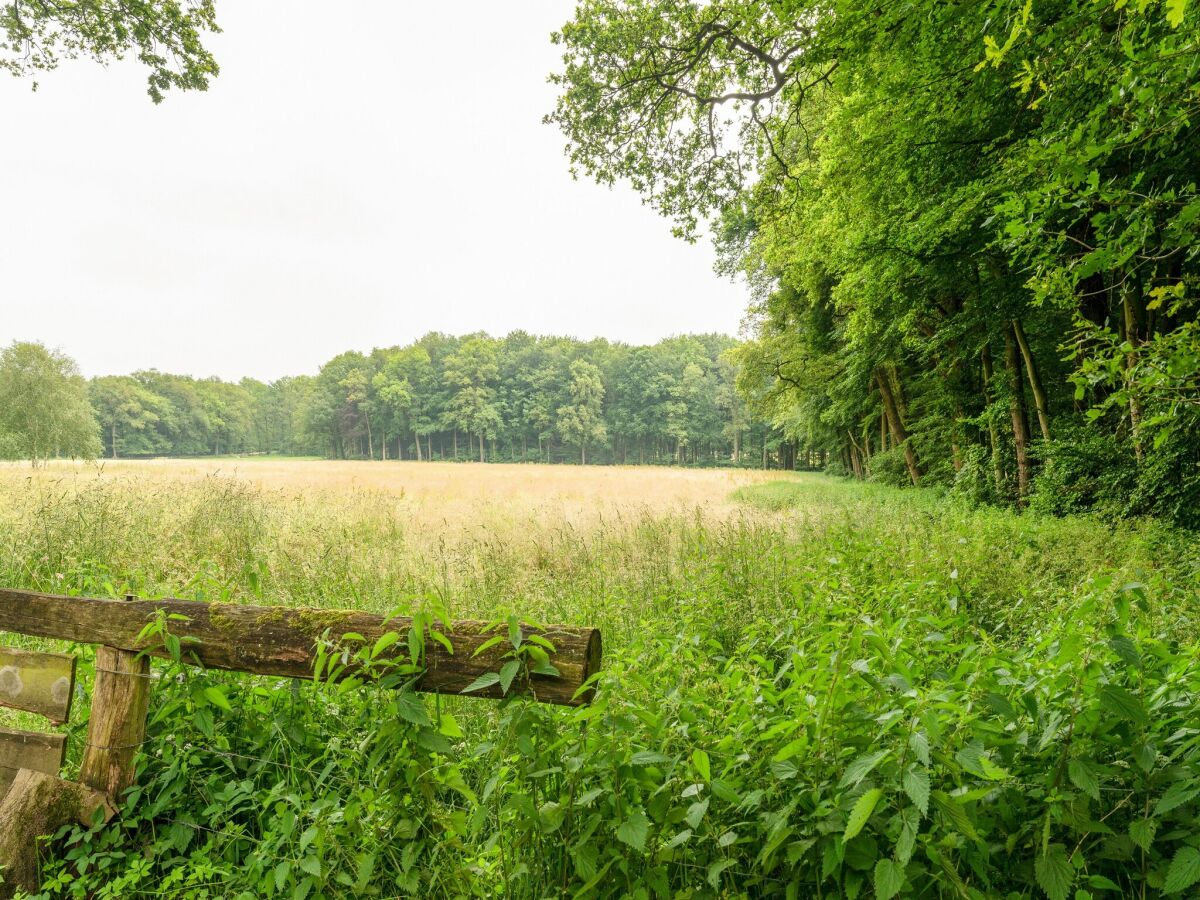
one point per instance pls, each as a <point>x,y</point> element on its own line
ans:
<point>164,35</point>
<point>44,408</point>
<point>517,398</point>
<point>850,689</point>
<point>963,221</point>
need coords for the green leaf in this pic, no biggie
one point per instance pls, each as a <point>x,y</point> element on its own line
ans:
<point>1120,702</point>
<point>633,831</point>
<point>1175,12</point>
<point>311,865</point>
<point>217,698</point>
<point>486,680</point>
<point>1141,832</point>
<point>384,641</point>
<point>860,768</point>
<point>863,807</point>
<point>916,785</point>
<point>1084,778</point>
<point>889,879</point>
<point>508,672</point>
<point>1054,872</point>
<point>1179,793</point>
<point>1184,871</point>
<point>701,764</point>
<point>411,708</point>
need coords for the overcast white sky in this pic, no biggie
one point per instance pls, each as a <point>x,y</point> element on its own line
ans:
<point>352,179</point>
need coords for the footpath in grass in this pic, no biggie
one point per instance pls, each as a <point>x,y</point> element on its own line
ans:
<point>845,691</point>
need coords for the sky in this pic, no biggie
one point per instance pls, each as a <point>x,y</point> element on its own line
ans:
<point>346,182</point>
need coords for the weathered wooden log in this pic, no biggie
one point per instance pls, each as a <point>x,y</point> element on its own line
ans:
<point>29,750</point>
<point>36,682</point>
<point>280,640</point>
<point>38,804</point>
<point>117,725</point>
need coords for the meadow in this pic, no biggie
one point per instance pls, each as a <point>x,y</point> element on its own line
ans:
<point>811,688</point>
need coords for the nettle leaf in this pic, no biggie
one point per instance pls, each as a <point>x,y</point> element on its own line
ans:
<point>634,830</point>
<point>889,879</point>
<point>863,807</point>
<point>486,680</point>
<point>1054,873</point>
<point>920,746</point>
<point>1184,871</point>
<point>860,768</point>
<point>1084,778</point>
<point>1141,832</point>
<point>1177,794</point>
<point>1120,702</point>
<point>916,785</point>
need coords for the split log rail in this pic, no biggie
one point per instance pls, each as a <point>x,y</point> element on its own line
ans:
<point>263,640</point>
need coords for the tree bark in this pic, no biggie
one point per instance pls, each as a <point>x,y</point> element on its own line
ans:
<point>417,441</point>
<point>482,451</point>
<point>1035,382</point>
<point>37,805</point>
<point>117,724</point>
<point>899,434</point>
<point>985,358</point>
<point>1020,422</point>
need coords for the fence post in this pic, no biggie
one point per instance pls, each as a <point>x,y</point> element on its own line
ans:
<point>117,727</point>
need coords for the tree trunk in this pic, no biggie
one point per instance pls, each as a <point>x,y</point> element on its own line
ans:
<point>417,441</point>
<point>1035,381</point>
<point>482,451</point>
<point>583,454</point>
<point>370,440</point>
<point>1134,340</point>
<point>455,444</point>
<point>899,434</point>
<point>114,440</point>
<point>1020,423</point>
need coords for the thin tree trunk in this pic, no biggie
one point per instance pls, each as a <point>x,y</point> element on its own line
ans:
<point>482,451</point>
<point>114,440</point>
<point>899,434</point>
<point>583,454</point>
<point>1134,340</point>
<point>1020,423</point>
<point>1035,381</point>
<point>417,441</point>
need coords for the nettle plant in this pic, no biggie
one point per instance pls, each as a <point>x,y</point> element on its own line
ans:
<point>347,786</point>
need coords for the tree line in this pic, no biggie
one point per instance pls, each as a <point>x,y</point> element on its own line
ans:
<point>973,228</point>
<point>516,398</point>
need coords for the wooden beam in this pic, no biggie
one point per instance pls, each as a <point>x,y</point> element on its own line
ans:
<point>29,750</point>
<point>42,683</point>
<point>281,640</point>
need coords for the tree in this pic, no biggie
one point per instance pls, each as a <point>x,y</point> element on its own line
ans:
<point>165,36</point>
<point>581,422</point>
<point>472,371</point>
<point>129,414</point>
<point>44,406</point>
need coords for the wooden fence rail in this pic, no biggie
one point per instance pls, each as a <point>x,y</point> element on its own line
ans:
<point>264,640</point>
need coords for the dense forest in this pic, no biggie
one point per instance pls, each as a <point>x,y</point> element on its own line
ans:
<point>971,227</point>
<point>517,398</point>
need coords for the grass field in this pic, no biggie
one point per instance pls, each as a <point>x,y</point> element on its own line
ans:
<point>812,688</point>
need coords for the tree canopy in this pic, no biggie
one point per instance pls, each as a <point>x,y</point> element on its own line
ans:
<point>971,228</point>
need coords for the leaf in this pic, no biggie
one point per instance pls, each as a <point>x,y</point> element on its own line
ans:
<point>1177,794</point>
<point>385,640</point>
<point>508,672</point>
<point>916,785</point>
<point>1141,832</point>
<point>1120,702</point>
<point>486,680</point>
<point>1084,778</point>
<point>217,698</point>
<point>889,879</point>
<point>1184,871</point>
<point>311,865</point>
<point>1054,872</point>
<point>633,831</point>
<point>648,758</point>
<point>701,764</point>
<point>696,812</point>
<point>411,708</point>
<point>448,726</point>
<point>1175,12</point>
<point>860,768</point>
<point>863,807</point>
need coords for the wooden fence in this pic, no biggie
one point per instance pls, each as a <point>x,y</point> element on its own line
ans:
<point>263,640</point>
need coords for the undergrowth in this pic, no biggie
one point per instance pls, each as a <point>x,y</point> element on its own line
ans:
<point>846,691</point>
